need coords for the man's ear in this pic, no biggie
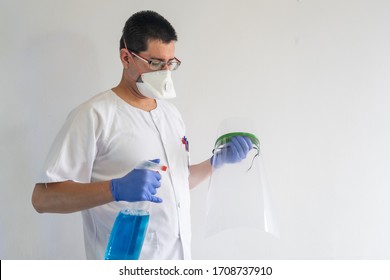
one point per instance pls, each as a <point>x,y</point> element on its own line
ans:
<point>125,58</point>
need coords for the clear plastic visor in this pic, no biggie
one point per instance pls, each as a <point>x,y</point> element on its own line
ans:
<point>238,195</point>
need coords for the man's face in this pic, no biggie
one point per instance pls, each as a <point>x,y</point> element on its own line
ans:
<point>157,50</point>
<point>137,64</point>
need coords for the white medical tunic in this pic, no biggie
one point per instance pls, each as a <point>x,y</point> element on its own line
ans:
<point>105,138</point>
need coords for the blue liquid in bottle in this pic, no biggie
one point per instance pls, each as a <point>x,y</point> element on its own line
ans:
<point>127,235</point>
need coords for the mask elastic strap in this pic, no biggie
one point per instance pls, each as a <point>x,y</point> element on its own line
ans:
<point>131,57</point>
<point>253,159</point>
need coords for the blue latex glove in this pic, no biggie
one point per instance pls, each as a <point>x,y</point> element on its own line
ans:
<point>137,185</point>
<point>233,152</point>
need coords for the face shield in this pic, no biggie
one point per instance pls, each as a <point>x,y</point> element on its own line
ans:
<point>238,195</point>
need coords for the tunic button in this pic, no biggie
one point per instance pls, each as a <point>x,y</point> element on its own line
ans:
<point>178,205</point>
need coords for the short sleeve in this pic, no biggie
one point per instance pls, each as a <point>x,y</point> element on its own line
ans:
<point>73,151</point>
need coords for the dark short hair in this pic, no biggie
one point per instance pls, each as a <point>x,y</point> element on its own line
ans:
<point>143,26</point>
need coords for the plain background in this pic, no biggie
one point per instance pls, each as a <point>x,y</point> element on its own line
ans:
<point>313,75</point>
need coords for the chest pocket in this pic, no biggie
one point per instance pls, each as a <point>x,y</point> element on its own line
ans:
<point>180,158</point>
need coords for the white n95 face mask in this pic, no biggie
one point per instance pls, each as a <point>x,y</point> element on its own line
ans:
<point>156,84</point>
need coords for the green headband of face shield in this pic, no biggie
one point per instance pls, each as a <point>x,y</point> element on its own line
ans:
<point>226,138</point>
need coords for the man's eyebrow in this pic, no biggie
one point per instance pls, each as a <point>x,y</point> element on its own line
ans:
<point>156,58</point>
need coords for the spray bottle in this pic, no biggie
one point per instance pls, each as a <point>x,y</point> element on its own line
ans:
<point>128,233</point>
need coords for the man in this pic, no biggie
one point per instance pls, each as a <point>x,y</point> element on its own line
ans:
<point>91,165</point>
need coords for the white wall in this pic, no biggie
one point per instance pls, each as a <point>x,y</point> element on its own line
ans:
<point>313,74</point>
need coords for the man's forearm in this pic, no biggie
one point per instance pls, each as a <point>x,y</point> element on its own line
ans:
<point>69,196</point>
<point>199,173</point>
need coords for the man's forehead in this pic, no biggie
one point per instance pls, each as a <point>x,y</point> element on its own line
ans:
<point>155,44</point>
<point>160,49</point>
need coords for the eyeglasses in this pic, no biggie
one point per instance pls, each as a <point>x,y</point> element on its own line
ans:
<point>156,64</point>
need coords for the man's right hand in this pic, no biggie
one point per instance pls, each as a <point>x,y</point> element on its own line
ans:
<point>137,185</point>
